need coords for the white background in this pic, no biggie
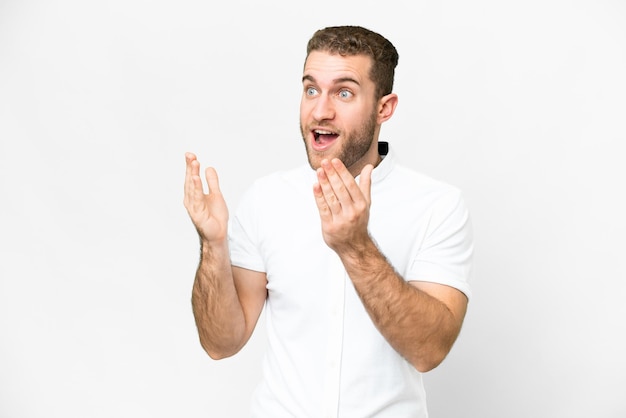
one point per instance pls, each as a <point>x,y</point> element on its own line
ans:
<point>520,104</point>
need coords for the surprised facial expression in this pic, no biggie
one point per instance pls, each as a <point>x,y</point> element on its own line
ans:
<point>338,111</point>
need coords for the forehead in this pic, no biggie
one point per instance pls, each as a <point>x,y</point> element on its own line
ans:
<point>326,67</point>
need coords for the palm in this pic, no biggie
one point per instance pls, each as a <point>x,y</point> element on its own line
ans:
<point>211,216</point>
<point>208,212</point>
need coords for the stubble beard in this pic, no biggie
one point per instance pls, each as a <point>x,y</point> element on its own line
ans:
<point>355,145</point>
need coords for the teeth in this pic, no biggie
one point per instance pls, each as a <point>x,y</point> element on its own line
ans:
<point>323,132</point>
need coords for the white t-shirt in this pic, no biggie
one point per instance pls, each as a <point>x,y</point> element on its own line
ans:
<point>325,357</point>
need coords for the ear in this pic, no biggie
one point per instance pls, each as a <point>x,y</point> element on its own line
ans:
<point>386,106</point>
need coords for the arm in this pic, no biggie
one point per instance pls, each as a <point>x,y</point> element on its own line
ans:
<point>226,300</point>
<point>420,320</point>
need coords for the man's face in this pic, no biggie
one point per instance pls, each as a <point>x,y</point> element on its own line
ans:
<point>338,112</point>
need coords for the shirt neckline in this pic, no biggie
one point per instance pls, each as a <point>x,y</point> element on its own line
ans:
<point>380,171</point>
<point>386,165</point>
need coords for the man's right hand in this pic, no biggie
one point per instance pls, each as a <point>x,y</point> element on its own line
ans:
<point>208,212</point>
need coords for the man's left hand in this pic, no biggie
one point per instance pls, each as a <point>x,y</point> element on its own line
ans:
<point>343,205</point>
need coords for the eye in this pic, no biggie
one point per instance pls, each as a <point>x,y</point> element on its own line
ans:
<point>311,91</point>
<point>345,94</point>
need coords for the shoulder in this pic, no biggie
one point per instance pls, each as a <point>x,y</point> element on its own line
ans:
<point>393,175</point>
<point>417,185</point>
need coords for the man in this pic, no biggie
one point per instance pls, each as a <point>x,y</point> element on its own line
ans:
<point>363,278</point>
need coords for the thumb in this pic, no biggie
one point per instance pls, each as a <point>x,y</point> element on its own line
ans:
<point>212,180</point>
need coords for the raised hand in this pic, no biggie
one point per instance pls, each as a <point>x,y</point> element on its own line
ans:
<point>208,212</point>
<point>343,205</point>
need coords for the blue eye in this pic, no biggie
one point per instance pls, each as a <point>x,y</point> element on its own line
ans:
<point>311,91</point>
<point>345,94</point>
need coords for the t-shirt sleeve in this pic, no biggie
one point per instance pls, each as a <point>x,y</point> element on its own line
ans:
<point>446,253</point>
<point>243,233</point>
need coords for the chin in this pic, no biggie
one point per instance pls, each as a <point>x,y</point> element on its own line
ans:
<point>315,161</point>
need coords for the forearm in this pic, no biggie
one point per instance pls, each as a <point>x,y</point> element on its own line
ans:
<point>216,307</point>
<point>420,327</point>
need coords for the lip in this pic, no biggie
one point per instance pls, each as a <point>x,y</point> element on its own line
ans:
<point>327,142</point>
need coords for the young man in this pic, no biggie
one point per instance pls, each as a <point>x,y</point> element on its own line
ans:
<point>361,264</point>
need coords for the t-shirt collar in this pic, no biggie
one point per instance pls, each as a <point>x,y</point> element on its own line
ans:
<point>387,163</point>
<point>380,171</point>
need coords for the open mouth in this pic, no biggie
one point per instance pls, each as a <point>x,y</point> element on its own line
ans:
<point>323,139</point>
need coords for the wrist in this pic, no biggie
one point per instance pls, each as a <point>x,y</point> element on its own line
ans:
<point>358,250</point>
<point>214,248</point>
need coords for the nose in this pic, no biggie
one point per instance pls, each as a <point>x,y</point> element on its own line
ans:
<point>324,108</point>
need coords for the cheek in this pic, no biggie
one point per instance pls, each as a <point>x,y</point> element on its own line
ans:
<point>352,118</point>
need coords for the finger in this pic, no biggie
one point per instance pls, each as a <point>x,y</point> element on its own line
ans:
<point>189,174</point>
<point>192,164</point>
<point>194,193</point>
<point>195,182</point>
<point>212,180</point>
<point>189,159</point>
<point>343,183</point>
<point>365,182</point>
<point>335,172</point>
<point>332,201</point>
<point>320,201</point>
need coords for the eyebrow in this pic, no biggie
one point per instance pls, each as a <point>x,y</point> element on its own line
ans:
<point>310,78</point>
